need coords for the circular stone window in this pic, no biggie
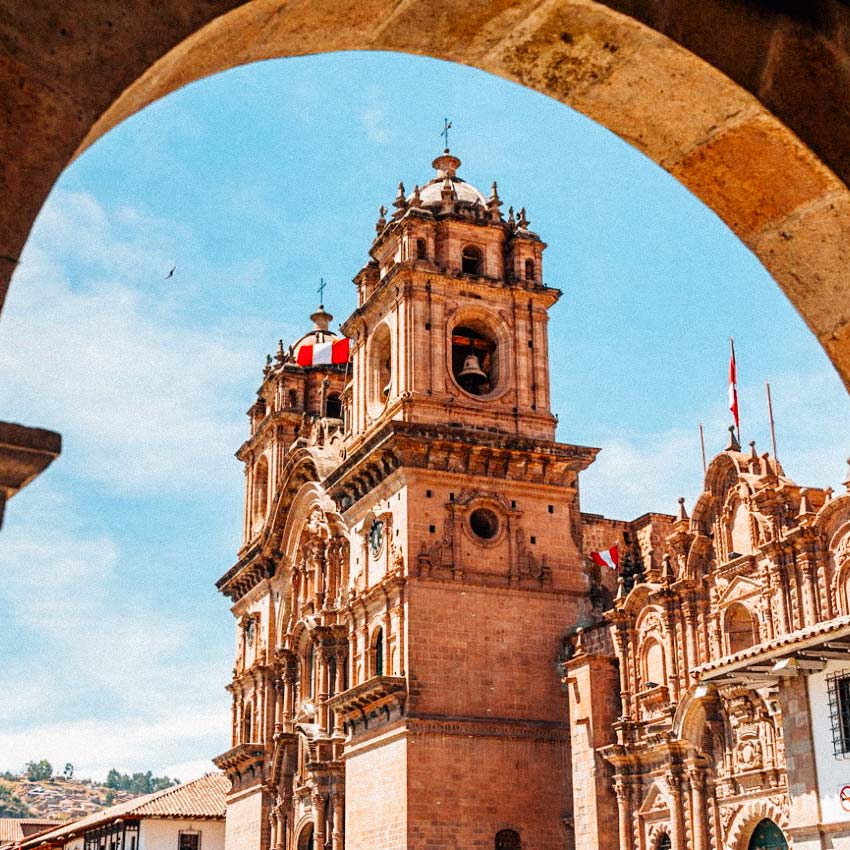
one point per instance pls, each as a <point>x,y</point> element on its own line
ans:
<point>484,523</point>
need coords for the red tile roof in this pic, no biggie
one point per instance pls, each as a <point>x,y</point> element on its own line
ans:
<point>13,830</point>
<point>201,798</point>
<point>800,639</point>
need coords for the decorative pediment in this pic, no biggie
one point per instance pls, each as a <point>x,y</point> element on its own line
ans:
<point>739,588</point>
<point>654,803</point>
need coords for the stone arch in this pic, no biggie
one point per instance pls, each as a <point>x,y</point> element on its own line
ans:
<point>701,99</point>
<point>260,507</point>
<point>740,627</point>
<point>747,818</point>
<point>699,721</point>
<point>378,652</point>
<point>653,662</point>
<point>305,836</point>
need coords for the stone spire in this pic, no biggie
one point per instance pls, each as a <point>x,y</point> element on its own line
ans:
<point>734,445</point>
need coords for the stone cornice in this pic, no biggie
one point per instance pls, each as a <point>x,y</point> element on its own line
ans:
<point>448,449</point>
<point>373,695</point>
<point>240,758</point>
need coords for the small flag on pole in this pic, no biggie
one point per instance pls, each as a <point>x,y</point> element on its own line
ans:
<point>608,558</point>
<point>325,353</point>
<point>733,388</point>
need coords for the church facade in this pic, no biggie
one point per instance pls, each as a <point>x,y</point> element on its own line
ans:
<point>425,655</point>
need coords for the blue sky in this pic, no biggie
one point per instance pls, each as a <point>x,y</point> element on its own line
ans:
<point>255,183</point>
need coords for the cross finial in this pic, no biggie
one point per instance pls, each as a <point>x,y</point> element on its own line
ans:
<point>321,291</point>
<point>445,134</point>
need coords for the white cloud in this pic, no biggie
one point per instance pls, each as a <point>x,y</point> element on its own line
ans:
<point>373,119</point>
<point>132,743</point>
<point>123,682</point>
<point>145,400</point>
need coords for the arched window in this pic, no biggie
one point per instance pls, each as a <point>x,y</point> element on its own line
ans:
<point>379,369</point>
<point>421,249</point>
<point>378,652</point>
<point>333,406</point>
<point>529,270</point>
<point>475,361</point>
<point>261,490</point>
<point>292,397</point>
<point>305,840</point>
<point>740,627</point>
<point>654,664</point>
<point>507,839</point>
<point>472,260</point>
<point>663,842</point>
<point>248,725</point>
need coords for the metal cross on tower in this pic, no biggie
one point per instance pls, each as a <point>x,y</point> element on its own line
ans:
<point>321,291</point>
<point>445,134</point>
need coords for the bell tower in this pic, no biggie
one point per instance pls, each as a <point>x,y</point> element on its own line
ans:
<point>451,325</point>
<point>411,555</point>
<point>464,526</point>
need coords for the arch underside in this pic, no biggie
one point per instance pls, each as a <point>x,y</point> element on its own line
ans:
<point>69,74</point>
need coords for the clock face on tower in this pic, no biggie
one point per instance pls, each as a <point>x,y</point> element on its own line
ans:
<point>376,537</point>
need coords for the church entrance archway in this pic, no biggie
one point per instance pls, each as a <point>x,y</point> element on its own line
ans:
<point>305,839</point>
<point>767,836</point>
<point>742,104</point>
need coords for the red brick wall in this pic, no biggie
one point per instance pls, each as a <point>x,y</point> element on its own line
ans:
<point>463,790</point>
<point>485,652</point>
<point>376,797</point>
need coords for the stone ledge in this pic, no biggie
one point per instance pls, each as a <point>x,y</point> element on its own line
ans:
<point>24,454</point>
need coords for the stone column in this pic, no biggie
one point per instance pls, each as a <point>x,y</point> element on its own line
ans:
<point>339,686</point>
<point>623,792</point>
<point>779,597</point>
<point>322,657</point>
<point>674,791</point>
<point>810,598</point>
<point>691,647</point>
<point>318,821</point>
<point>804,816</point>
<point>339,812</point>
<point>696,779</point>
<point>288,698</point>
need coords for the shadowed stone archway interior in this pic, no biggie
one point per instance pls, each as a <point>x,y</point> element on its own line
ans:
<point>745,103</point>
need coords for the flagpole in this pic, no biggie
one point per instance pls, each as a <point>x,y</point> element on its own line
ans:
<point>772,424</point>
<point>738,412</point>
<point>702,446</point>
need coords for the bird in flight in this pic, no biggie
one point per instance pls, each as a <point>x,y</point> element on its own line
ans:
<point>171,273</point>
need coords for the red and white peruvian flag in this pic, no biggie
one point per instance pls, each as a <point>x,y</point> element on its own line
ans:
<point>608,558</point>
<point>325,353</point>
<point>733,386</point>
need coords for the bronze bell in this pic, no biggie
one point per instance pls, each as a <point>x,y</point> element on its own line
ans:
<point>472,373</point>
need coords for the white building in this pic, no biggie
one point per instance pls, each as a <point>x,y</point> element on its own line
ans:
<point>184,817</point>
